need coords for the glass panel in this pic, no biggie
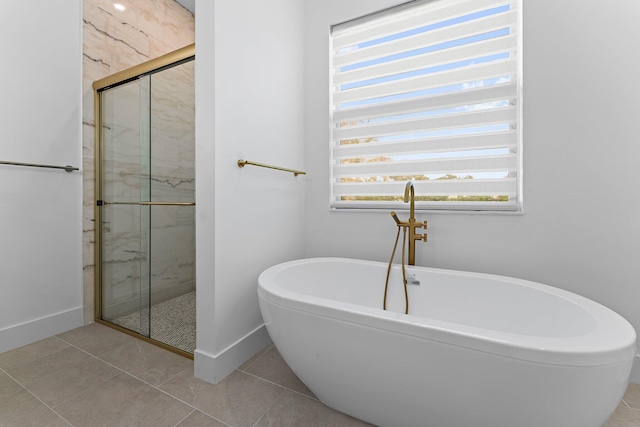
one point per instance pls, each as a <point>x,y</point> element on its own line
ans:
<point>145,211</point>
<point>125,236</point>
<point>172,229</point>
<point>148,252</point>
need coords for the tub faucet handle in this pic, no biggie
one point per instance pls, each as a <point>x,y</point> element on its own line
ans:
<point>411,280</point>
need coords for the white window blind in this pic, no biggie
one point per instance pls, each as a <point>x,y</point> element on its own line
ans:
<point>428,92</point>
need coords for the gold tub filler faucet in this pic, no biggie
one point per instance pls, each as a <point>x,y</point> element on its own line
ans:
<point>412,225</point>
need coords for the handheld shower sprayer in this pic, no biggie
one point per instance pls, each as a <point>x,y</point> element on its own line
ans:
<point>395,217</point>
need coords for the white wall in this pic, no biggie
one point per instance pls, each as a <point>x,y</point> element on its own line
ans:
<point>249,105</point>
<point>579,230</point>
<point>40,209</point>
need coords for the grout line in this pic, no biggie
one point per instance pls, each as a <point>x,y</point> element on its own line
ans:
<point>39,357</point>
<point>262,416</point>
<point>38,399</point>
<point>284,387</point>
<point>87,389</point>
<point>122,371</point>
<point>264,351</point>
<point>98,357</point>
<point>271,406</point>
<point>173,376</point>
<point>134,376</point>
<point>195,408</point>
<point>61,417</point>
<point>187,416</point>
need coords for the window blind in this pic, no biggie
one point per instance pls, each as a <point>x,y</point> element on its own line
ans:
<point>427,92</point>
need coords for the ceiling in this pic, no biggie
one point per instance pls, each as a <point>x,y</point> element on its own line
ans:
<point>189,4</point>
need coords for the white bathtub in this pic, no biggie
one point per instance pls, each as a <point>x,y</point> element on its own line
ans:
<point>475,349</point>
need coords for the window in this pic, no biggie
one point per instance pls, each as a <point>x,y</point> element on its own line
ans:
<point>428,91</point>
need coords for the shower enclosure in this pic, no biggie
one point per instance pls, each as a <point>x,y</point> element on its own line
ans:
<point>145,192</point>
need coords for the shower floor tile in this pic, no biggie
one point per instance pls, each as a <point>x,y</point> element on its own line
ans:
<point>173,322</point>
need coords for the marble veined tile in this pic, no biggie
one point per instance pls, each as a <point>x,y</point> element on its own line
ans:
<point>172,189</point>
<point>163,220</point>
<point>164,273</point>
<point>187,218</point>
<point>164,151</point>
<point>88,245</point>
<point>93,48</point>
<point>124,218</point>
<point>115,26</point>
<point>114,41</point>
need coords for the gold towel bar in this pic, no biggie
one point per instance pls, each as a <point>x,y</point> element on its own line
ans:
<point>67,168</point>
<point>106,203</point>
<point>243,163</point>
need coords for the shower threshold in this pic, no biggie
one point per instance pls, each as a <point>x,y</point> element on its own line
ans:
<point>173,322</point>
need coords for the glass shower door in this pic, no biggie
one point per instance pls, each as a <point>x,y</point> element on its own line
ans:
<point>172,192</point>
<point>125,158</point>
<point>147,192</point>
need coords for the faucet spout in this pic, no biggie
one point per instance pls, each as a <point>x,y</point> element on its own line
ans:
<point>409,197</point>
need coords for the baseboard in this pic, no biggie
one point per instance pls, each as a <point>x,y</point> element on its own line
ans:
<point>635,371</point>
<point>34,330</point>
<point>214,368</point>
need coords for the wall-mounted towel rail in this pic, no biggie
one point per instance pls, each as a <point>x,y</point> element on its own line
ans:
<point>106,203</point>
<point>67,168</point>
<point>243,163</point>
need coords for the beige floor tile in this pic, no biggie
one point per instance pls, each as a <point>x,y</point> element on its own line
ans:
<point>255,357</point>
<point>8,387</point>
<point>239,400</point>
<point>624,417</point>
<point>147,362</point>
<point>632,396</point>
<point>292,409</point>
<point>272,367</point>
<point>123,401</point>
<point>62,375</point>
<point>23,410</point>
<point>30,352</point>
<point>198,419</point>
<point>95,338</point>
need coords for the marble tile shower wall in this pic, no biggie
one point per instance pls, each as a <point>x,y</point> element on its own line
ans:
<point>173,179</point>
<point>114,41</point>
<point>167,175</point>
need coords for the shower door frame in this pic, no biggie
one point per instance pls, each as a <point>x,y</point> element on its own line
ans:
<point>171,59</point>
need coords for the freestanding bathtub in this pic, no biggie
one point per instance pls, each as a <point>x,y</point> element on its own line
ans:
<point>475,349</point>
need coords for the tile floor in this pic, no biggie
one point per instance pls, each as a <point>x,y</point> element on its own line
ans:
<point>96,376</point>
